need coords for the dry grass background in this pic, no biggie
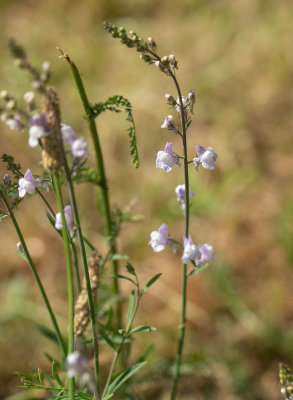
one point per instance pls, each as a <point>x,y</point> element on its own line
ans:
<point>238,57</point>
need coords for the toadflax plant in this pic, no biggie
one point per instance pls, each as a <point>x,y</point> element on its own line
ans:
<point>201,254</point>
<point>95,318</point>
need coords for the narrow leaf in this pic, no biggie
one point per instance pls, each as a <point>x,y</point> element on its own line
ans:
<point>124,277</point>
<point>21,254</point>
<point>119,257</point>
<point>55,374</point>
<point>130,309</point>
<point>150,283</point>
<point>108,340</point>
<point>142,328</point>
<point>123,377</point>
<point>47,332</point>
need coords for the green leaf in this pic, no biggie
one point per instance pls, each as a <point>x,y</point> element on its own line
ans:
<point>142,328</point>
<point>108,340</point>
<point>47,332</point>
<point>108,396</point>
<point>117,104</point>
<point>124,277</point>
<point>55,374</point>
<point>21,254</point>
<point>123,377</point>
<point>197,269</point>
<point>130,309</point>
<point>40,375</point>
<point>150,283</point>
<point>119,257</point>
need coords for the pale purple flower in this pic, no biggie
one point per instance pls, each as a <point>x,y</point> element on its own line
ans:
<point>68,218</point>
<point>206,157</point>
<point>38,129</point>
<point>190,251</point>
<point>27,184</point>
<point>76,364</point>
<point>166,159</point>
<point>180,193</point>
<point>169,124</point>
<point>79,149</point>
<point>159,238</point>
<point>68,134</point>
<point>184,103</point>
<point>205,254</point>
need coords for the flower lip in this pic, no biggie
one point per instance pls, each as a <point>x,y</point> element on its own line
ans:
<point>207,157</point>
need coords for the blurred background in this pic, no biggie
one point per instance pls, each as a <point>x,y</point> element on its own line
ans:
<point>238,57</point>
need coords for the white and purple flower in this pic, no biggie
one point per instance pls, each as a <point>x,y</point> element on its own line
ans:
<point>205,254</point>
<point>169,124</point>
<point>206,157</point>
<point>190,251</point>
<point>160,239</point>
<point>166,159</point>
<point>68,134</point>
<point>79,149</point>
<point>76,364</point>
<point>28,184</point>
<point>68,218</point>
<point>180,193</point>
<point>38,128</point>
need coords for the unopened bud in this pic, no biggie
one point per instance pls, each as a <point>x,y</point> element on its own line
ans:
<point>11,104</point>
<point>165,60</point>
<point>159,65</point>
<point>46,67</point>
<point>122,30</point>
<point>6,180</point>
<point>170,99</point>
<point>152,43</point>
<point>172,59</point>
<point>19,247</point>
<point>134,38</point>
<point>145,57</point>
<point>4,95</point>
<point>18,63</point>
<point>36,85</point>
<point>191,98</point>
<point>29,97</point>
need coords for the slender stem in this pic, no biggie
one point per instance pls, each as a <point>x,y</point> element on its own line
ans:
<point>101,171</point>
<point>36,276</point>
<point>70,287</point>
<point>181,338</point>
<point>87,280</point>
<point>76,266</point>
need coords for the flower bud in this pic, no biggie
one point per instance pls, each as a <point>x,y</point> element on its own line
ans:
<point>11,104</point>
<point>159,65</point>
<point>18,63</point>
<point>19,247</point>
<point>4,95</point>
<point>170,99</point>
<point>36,84</point>
<point>172,59</point>
<point>165,61</point>
<point>46,67</point>
<point>29,97</point>
<point>6,180</point>
<point>4,117</point>
<point>152,43</point>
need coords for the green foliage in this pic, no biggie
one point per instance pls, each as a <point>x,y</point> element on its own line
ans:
<point>117,104</point>
<point>15,49</point>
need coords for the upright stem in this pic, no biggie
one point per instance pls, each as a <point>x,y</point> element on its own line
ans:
<point>70,288</point>
<point>184,266</point>
<point>36,276</point>
<point>102,175</point>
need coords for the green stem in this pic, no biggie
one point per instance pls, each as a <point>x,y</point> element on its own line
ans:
<point>70,287</point>
<point>36,276</point>
<point>181,338</point>
<point>87,280</point>
<point>76,266</point>
<point>101,171</point>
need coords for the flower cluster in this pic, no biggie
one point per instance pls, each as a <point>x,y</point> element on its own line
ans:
<point>166,160</point>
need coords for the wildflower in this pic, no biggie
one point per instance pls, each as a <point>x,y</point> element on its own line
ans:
<point>207,157</point>
<point>166,159</point>
<point>76,364</point>
<point>28,184</point>
<point>180,193</point>
<point>190,251</point>
<point>68,134</point>
<point>68,218</point>
<point>184,103</point>
<point>38,129</point>
<point>79,149</point>
<point>169,124</point>
<point>160,239</point>
<point>205,254</point>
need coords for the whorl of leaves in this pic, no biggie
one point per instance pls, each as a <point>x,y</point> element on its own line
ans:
<point>117,104</point>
